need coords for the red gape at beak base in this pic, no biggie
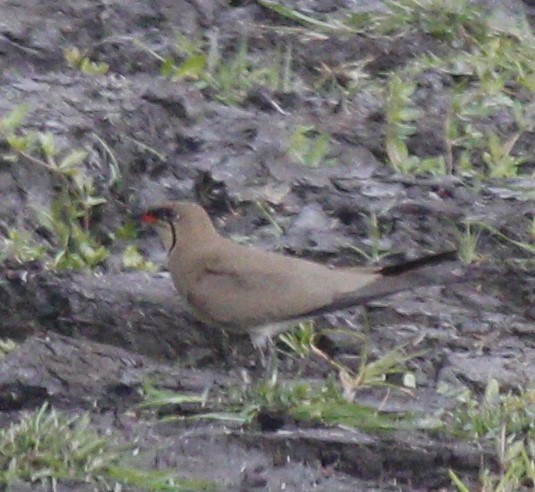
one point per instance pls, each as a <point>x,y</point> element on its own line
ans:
<point>148,219</point>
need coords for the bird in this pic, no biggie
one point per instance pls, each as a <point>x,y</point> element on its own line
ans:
<point>246,290</point>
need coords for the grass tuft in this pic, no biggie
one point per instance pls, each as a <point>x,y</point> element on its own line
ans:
<point>47,447</point>
<point>507,421</point>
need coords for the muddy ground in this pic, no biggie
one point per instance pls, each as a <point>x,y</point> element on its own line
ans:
<point>89,340</point>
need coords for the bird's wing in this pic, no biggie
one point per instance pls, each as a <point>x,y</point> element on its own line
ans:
<point>288,288</point>
<point>239,298</point>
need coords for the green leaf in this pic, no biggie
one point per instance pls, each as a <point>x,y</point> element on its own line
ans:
<point>13,120</point>
<point>166,70</point>
<point>461,487</point>
<point>44,219</point>
<point>72,160</point>
<point>93,68</point>
<point>157,398</point>
<point>92,255</point>
<point>19,143</point>
<point>160,480</point>
<point>302,18</point>
<point>191,68</point>
<point>319,150</point>
<point>397,151</point>
<point>433,165</point>
<point>79,179</point>
<point>48,144</point>
<point>133,259</point>
<point>127,232</point>
<point>410,114</point>
<point>72,56</point>
<point>345,413</point>
<point>94,201</point>
<point>492,392</point>
<point>495,146</point>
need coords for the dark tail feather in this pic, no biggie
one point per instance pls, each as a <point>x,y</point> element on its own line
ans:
<point>418,263</point>
<point>418,273</point>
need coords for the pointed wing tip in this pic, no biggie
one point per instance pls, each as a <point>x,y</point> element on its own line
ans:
<point>435,259</point>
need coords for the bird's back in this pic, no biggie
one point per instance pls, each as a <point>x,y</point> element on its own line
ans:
<point>241,287</point>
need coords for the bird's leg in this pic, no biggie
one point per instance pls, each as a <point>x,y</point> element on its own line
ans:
<point>272,363</point>
<point>268,356</point>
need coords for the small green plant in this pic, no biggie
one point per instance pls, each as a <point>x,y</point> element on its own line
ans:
<point>375,373</point>
<point>323,403</point>
<point>467,240</point>
<point>319,402</point>
<point>496,73</point>
<point>21,246</point>
<point>46,447</point>
<point>194,59</point>
<point>508,420</point>
<point>518,473</point>
<point>498,158</point>
<point>495,66</point>
<point>77,59</point>
<point>132,259</point>
<point>308,147</point>
<point>343,79</point>
<point>460,136</point>
<point>526,246</point>
<point>69,220</point>
<point>157,398</point>
<point>265,210</point>
<point>450,21</point>
<point>400,116</point>
<point>327,402</point>
<point>75,247</point>
<point>375,251</point>
<point>230,409</point>
<point>300,341</point>
<point>308,21</point>
<point>472,146</point>
<point>234,77</point>
<point>230,76</point>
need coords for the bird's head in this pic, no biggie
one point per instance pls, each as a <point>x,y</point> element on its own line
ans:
<point>177,221</point>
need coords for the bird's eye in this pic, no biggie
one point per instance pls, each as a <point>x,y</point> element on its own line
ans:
<point>166,214</point>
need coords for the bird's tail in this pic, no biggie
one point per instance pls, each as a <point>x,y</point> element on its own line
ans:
<point>440,269</point>
<point>407,266</point>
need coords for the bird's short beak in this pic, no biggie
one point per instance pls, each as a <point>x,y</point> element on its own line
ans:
<point>143,218</point>
<point>148,218</point>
